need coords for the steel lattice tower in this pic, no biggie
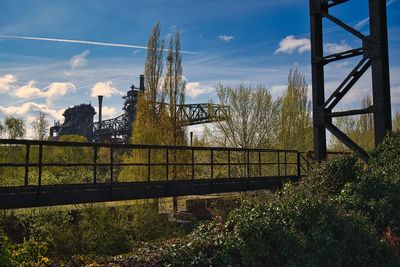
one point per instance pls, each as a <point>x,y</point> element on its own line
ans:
<point>374,53</point>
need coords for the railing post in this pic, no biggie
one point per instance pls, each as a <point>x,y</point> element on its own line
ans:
<point>192,164</point>
<point>26,181</point>
<point>279,165</point>
<point>40,164</point>
<point>285,164</point>
<point>212,164</point>
<point>111,164</point>
<point>248,163</point>
<point>229,163</point>
<point>166,163</point>
<point>95,164</point>
<point>148,164</point>
<point>259,163</point>
<point>298,166</point>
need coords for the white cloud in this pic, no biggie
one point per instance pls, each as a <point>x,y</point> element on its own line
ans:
<point>58,89</point>
<point>79,60</point>
<point>53,91</point>
<point>195,89</point>
<point>27,91</point>
<point>104,89</point>
<point>6,81</point>
<point>361,23</point>
<point>107,112</point>
<point>277,90</point>
<point>31,106</point>
<point>333,48</point>
<point>290,44</point>
<point>226,38</point>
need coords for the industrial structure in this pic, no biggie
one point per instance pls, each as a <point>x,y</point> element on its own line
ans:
<point>374,53</point>
<point>79,119</point>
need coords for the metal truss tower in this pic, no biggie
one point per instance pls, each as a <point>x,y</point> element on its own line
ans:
<point>374,53</point>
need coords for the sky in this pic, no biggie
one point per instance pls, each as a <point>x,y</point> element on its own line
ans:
<point>60,53</point>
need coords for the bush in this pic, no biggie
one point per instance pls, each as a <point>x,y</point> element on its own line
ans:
<point>378,198</point>
<point>293,229</point>
<point>332,176</point>
<point>5,251</point>
<point>384,158</point>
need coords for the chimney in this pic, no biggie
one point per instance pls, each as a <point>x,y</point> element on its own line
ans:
<point>100,108</point>
<point>141,87</point>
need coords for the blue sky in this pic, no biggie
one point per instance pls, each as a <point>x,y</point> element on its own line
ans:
<point>229,41</point>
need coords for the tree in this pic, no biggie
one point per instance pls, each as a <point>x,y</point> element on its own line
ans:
<point>252,117</point>
<point>2,129</point>
<point>154,65</point>
<point>295,129</point>
<point>360,130</point>
<point>14,127</point>
<point>174,86</point>
<point>40,126</point>
<point>396,121</point>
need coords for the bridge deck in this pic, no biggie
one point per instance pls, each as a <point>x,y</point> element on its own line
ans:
<point>51,195</point>
<point>47,173</point>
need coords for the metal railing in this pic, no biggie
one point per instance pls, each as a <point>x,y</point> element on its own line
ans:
<point>113,163</point>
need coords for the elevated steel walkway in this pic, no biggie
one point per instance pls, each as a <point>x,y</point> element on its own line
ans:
<point>48,173</point>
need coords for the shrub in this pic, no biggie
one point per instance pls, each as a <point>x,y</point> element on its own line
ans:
<point>384,158</point>
<point>333,175</point>
<point>293,229</point>
<point>377,197</point>
<point>5,251</point>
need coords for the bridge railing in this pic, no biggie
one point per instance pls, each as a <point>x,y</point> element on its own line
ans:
<point>30,163</point>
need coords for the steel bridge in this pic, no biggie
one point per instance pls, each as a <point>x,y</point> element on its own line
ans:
<point>187,114</point>
<point>48,173</point>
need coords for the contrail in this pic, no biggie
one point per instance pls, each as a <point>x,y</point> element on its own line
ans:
<point>80,42</point>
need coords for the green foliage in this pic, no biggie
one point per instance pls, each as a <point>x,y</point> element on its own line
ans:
<point>14,127</point>
<point>396,122</point>
<point>378,198</point>
<point>359,128</point>
<point>31,254</point>
<point>295,228</point>
<point>384,159</point>
<point>92,230</point>
<point>332,176</point>
<point>5,252</point>
<point>340,216</point>
<point>295,114</point>
<point>28,254</point>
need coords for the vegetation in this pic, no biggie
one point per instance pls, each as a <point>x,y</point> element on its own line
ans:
<point>40,127</point>
<point>359,128</point>
<point>342,215</point>
<point>12,128</point>
<point>258,120</point>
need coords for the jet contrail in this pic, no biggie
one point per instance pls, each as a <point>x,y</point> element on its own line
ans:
<point>80,42</point>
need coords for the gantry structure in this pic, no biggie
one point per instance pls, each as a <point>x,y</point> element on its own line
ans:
<point>374,55</point>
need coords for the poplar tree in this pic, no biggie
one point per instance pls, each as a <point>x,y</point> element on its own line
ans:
<point>174,87</point>
<point>295,130</point>
<point>154,66</point>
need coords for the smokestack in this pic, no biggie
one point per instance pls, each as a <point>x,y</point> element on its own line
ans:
<point>141,87</point>
<point>100,108</point>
